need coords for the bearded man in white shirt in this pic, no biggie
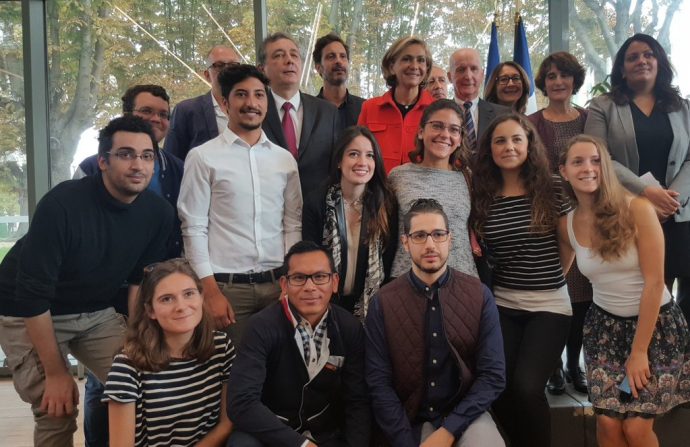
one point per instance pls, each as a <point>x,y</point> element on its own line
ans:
<point>240,205</point>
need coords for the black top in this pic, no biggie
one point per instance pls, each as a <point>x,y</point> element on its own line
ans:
<point>654,137</point>
<point>81,246</point>
<point>349,110</point>
<point>313,222</point>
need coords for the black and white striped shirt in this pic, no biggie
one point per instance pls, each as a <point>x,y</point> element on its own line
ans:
<point>177,406</point>
<point>524,260</point>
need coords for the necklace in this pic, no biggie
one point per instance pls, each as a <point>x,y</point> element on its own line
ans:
<point>355,205</point>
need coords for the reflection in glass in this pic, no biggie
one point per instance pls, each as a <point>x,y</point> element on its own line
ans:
<point>13,197</point>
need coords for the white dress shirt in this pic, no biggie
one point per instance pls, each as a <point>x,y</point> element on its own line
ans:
<point>474,110</point>
<point>297,113</point>
<point>240,206</point>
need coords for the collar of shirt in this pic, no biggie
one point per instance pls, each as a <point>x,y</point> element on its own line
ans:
<point>475,104</point>
<point>296,101</point>
<point>216,107</point>
<point>429,291</point>
<point>231,137</point>
<point>347,97</point>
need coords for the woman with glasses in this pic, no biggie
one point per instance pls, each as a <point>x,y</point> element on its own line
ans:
<point>646,125</point>
<point>168,384</point>
<point>560,76</point>
<point>353,216</point>
<point>508,86</point>
<point>519,211</point>
<point>438,171</point>
<point>637,348</point>
<point>394,117</point>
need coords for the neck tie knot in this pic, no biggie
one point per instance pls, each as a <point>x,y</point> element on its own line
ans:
<point>287,106</point>
<point>467,105</point>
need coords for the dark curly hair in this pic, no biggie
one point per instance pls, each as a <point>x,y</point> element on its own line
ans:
<point>535,175</point>
<point>667,95</point>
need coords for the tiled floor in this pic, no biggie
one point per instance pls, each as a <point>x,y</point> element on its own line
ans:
<point>16,420</point>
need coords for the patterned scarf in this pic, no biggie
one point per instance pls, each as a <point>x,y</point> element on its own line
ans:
<point>331,238</point>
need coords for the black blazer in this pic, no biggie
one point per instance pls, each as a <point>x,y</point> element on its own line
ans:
<point>487,112</point>
<point>313,221</point>
<point>320,124</point>
<point>193,122</point>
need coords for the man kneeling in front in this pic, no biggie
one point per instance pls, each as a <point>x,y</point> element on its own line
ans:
<point>298,379</point>
<point>434,354</point>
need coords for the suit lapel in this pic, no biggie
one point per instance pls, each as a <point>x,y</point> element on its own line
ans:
<point>271,125</point>
<point>308,120</point>
<point>486,115</point>
<point>626,121</point>
<point>210,116</point>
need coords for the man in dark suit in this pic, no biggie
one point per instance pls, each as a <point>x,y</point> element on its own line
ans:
<point>303,124</point>
<point>197,120</point>
<point>467,75</point>
<point>332,60</point>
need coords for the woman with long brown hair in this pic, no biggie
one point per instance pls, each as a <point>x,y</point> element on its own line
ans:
<point>168,384</point>
<point>637,347</point>
<point>518,210</point>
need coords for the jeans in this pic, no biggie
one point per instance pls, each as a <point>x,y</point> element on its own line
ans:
<point>95,413</point>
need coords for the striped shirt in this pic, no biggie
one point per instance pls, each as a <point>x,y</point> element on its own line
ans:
<point>524,260</point>
<point>177,406</point>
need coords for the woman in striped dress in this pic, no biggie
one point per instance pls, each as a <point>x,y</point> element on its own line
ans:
<point>519,211</point>
<point>168,385</point>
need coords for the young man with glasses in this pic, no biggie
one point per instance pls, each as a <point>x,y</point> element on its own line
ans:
<point>57,283</point>
<point>200,119</point>
<point>298,379</point>
<point>434,353</point>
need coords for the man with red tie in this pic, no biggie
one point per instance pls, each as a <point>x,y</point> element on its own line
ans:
<point>240,205</point>
<point>306,126</point>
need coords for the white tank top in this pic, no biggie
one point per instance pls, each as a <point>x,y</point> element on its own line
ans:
<point>616,285</point>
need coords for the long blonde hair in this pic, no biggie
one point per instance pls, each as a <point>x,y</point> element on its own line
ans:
<point>614,227</point>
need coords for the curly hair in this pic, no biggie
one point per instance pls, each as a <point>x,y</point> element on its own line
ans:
<point>378,201</point>
<point>614,227</point>
<point>145,341</point>
<point>459,158</point>
<point>491,90</point>
<point>667,95</point>
<point>535,174</point>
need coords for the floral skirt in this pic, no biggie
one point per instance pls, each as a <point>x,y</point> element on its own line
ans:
<point>607,340</point>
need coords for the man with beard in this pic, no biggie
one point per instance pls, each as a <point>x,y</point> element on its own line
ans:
<point>240,205</point>
<point>434,353</point>
<point>332,61</point>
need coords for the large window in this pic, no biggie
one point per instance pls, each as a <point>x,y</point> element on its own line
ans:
<point>597,31</point>
<point>13,197</point>
<point>96,50</point>
<point>370,26</point>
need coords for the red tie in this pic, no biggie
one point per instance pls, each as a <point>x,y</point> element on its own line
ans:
<point>289,129</point>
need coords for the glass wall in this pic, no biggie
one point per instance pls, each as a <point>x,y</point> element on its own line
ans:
<point>370,26</point>
<point>13,195</point>
<point>596,33</point>
<point>97,50</point>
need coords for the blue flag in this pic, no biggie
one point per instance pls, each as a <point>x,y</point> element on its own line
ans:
<point>521,56</point>
<point>493,59</point>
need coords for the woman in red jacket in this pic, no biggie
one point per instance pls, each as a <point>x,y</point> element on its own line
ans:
<point>394,117</point>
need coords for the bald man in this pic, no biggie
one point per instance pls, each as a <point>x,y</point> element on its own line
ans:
<point>467,76</point>
<point>197,120</point>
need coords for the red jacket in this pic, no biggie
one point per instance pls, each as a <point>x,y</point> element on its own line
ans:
<point>396,136</point>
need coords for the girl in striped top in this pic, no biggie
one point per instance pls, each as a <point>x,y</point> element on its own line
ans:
<point>168,385</point>
<point>519,211</point>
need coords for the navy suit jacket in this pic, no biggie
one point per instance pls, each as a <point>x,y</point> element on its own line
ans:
<point>320,130</point>
<point>193,122</point>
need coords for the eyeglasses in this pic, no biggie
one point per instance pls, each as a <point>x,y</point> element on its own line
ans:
<point>504,80</point>
<point>148,112</point>
<point>221,65</point>
<point>439,126</point>
<point>420,237</point>
<point>300,279</point>
<point>131,155</point>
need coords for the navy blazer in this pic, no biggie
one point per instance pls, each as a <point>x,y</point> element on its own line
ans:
<point>320,131</point>
<point>613,123</point>
<point>193,122</point>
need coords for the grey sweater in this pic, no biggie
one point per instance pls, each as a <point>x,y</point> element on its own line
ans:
<point>411,182</point>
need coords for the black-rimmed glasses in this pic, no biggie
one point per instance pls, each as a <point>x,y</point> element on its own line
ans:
<point>300,279</point>
<point>420,237</point>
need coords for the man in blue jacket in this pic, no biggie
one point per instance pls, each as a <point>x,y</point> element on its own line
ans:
<point>298,379</point>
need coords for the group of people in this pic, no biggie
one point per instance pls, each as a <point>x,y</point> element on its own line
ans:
<point>404,270</point>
